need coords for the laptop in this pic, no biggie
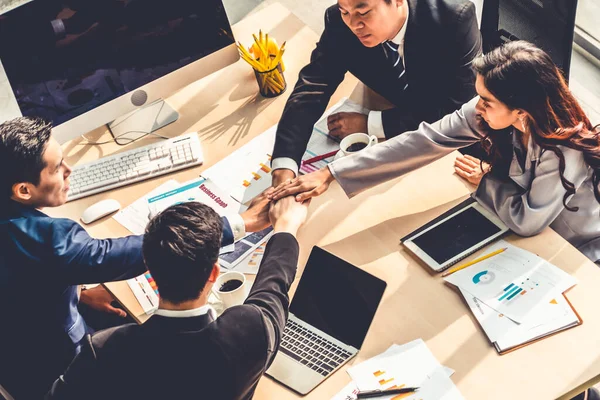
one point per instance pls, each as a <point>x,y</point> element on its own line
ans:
<point>330,314</point>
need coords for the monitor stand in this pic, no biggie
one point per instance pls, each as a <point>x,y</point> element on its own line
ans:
<point>142,121</point>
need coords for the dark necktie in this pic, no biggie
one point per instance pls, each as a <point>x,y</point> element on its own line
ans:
<point>396,61</point>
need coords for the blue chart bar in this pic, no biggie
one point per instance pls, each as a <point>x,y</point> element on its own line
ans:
<point>510,290</point>
<point>514,294</point>
<point>509,286</point>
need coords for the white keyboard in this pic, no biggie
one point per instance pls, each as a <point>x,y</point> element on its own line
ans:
<point>135,165</point>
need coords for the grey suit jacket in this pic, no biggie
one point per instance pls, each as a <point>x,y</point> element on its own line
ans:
<point>530,200</point>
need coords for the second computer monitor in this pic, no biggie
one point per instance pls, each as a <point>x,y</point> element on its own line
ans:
<point>82,64</point>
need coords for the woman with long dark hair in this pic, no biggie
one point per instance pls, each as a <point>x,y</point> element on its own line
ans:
<point>543,151</point>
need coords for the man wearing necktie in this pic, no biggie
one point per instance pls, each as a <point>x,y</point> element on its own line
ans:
<point>415,53</point>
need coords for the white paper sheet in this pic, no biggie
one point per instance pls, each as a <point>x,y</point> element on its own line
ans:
<point>144,293</point>
<point>246,172</point>
<point>201,190</point>
<point>549,317</point>
<point>135,216</point>
<point>513,282</point>
<point>409,365</point>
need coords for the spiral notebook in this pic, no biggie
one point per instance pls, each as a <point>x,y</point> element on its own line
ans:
<point>454,235</point>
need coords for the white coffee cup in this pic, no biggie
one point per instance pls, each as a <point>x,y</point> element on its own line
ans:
<point>233,297</point>
<point>355,138</point>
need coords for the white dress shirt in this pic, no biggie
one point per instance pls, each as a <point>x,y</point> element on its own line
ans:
<point>195,312</point>
<point>238,227</point>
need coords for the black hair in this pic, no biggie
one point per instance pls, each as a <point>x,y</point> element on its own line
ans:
<point>22,144</point>
<point>180,248</point>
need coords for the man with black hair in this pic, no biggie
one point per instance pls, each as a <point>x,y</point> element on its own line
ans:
<point>183,351</point>
<point>417,54</point>
<point>44,259</point>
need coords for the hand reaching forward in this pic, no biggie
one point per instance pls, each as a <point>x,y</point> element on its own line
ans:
<point>304,187</point>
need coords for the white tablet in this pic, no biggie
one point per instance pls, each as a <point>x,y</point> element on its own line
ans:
<point>453,238</point>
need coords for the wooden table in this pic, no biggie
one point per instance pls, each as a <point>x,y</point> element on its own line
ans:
<point>227,112</point>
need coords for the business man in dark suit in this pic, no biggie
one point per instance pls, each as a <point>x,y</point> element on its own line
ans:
<point>183,352</point>
<point>415,53</point>
<point>44,259</point>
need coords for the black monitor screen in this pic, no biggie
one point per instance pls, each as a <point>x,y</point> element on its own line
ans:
<point>455,235</point>
<point>337,297</point>
<point>63,58</point>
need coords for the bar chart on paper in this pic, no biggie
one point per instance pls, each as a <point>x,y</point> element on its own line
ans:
<point>388,382</point>
<point>411,365</point>
<point>246,172</point>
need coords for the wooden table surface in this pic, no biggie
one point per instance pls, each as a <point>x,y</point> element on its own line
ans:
<point>226,111</point>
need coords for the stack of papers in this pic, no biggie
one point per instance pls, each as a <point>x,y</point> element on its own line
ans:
<point>320,142</point>
<point>146,292</point>
<point>516,296</point>
<point>201,190</point>
<point>136,216</point>
<point>409,365</point>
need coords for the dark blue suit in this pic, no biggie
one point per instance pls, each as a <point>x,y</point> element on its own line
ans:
<point>42,260</point>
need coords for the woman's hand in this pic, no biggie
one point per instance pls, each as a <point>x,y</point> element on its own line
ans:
<point>304,187</point>
<point>469,168</point>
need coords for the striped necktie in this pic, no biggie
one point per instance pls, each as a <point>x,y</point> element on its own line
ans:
<point>396,61</point>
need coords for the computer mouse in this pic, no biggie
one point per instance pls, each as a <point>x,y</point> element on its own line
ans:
<point>99,210</point>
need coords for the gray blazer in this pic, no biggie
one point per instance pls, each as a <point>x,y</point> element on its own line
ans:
<point>529,202</point>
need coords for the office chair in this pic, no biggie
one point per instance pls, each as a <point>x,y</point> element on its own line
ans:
<point>549,24</point>
<point>4,395</point>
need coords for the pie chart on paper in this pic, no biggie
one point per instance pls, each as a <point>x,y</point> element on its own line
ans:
<point>483,277</point>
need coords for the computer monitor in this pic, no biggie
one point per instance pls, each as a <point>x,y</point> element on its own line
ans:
<point>85,63</point>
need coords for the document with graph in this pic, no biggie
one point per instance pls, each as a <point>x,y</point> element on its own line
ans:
<point>409,365</point>
<point>246,172</point>
<point>320,142</point>
<point>549,318</point>
<point>513,283</point>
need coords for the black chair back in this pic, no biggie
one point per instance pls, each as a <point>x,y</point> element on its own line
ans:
<point>549,24</point>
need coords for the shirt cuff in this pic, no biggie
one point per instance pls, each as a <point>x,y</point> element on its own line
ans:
<point>238,226</point>
<point>375,124</point>
<point>285,163</point>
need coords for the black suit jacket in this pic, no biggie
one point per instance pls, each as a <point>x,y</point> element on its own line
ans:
<point>195,357</point>
<point>441,41</point>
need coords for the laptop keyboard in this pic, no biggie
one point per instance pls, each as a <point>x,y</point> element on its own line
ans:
<point>311,349</point>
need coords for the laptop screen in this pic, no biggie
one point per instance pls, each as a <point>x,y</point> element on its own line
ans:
<point>337,297</point>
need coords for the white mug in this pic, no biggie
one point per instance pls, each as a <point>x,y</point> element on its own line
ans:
<point>233,297</point>
<point>354,138</point>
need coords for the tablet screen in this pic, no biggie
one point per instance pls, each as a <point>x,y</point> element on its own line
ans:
<point>456,235</point>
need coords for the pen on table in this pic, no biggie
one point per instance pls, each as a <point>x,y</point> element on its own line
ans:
<point>319,158</point>
<point>379,393</point>
<point>453,270</point>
